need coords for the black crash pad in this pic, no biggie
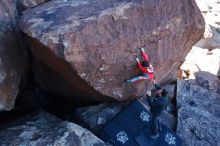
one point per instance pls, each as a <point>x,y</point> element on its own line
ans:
<point>131,127</point>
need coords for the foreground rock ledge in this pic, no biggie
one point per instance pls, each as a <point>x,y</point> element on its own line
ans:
<point>45,129</point>
<point>89,46</point>
<point>198,112</point>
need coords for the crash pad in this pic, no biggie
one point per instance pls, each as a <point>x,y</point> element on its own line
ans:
<point>131,127</point>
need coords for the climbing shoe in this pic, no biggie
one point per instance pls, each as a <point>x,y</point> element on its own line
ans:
<point>128,80</point>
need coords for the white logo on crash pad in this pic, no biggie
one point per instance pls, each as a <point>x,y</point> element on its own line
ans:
<point>122,137</point>
<point>170,139</point>
<point>144,116</point>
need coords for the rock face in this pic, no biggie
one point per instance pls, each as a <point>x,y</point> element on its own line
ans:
<point>90,46</point>
<point>45,129</point>
<point>12,54</point>
<point>198,114</point>
<point>27,4</point>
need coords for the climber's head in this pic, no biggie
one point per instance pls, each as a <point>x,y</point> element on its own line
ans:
<point>164,92</point>
<point>145,64</point>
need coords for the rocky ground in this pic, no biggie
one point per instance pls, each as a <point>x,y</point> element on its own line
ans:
<point>71,58</point>
<point>43,128</point>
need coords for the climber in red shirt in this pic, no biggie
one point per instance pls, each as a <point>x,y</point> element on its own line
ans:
<point>146,68</point>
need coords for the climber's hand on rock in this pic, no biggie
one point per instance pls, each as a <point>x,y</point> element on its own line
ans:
<point>148,93</point>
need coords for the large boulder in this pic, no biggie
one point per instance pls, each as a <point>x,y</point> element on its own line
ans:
<point>12,54</point>
<point>198,121</point>
<point>45,129</point>
<point>89,47</point>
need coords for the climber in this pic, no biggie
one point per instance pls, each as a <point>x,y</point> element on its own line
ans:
<point>157,105</point>
<point>145,67</point>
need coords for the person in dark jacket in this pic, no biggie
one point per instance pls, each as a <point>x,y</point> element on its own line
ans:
<point>157,105</point>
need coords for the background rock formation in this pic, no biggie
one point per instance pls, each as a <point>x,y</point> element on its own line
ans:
<point>198,111</point>
<point>90,46</point>
<point>200,59</point>
<point>12,54</point>
<point>205,55</point>
<point>45,129</point>
<point>211,13</point>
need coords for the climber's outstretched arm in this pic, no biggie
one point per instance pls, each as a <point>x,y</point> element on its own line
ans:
<point>144,55</point>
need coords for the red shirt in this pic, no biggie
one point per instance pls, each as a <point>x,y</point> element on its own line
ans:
<point>148,70</point>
